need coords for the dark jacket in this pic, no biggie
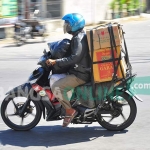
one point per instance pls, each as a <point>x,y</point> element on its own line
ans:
<point>59,49</point>
<point>79,60</point>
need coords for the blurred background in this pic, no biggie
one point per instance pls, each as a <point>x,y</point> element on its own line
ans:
<point>51,11</point>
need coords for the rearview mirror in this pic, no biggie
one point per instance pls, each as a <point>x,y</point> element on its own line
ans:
<point>44,51</point>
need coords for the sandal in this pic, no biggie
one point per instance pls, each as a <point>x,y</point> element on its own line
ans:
<point>70,114</point>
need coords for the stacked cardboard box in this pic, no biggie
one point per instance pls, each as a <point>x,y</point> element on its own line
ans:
<point>102,47</point>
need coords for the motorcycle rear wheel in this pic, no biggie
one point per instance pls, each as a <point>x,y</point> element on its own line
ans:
<point>18,125</point>
<point>127,122</point>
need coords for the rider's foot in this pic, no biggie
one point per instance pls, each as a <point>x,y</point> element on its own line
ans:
<point>70,114</point>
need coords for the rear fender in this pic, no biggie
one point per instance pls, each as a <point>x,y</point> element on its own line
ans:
<point>130,93</point>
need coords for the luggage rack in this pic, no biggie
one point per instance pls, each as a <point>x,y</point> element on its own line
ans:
<point>125,82</point>
<point>126,79</point>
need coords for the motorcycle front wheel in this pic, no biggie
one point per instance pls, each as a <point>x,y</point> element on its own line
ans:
<point>10,112</point>
<point>123,108</point>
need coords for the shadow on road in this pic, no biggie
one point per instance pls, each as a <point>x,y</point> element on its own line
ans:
<point>34,42</point>
<point>10,45</point>
<point>53,136</point>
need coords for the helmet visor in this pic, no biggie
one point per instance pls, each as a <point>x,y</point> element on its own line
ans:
<point>66,27</point>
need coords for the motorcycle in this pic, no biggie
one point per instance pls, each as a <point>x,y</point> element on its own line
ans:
<point>19,36</point>
<point>28,29</point>
<point>116,111</point>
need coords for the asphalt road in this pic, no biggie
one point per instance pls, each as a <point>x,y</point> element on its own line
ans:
<point>16,64</point>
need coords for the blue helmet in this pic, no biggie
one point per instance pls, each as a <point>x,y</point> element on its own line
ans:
<point>73,22</point>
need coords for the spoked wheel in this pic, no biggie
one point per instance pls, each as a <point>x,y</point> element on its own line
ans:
<point>10,112</point>
<point>123,112</point>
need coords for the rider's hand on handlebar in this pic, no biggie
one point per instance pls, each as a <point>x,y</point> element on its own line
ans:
<point>51,62</point>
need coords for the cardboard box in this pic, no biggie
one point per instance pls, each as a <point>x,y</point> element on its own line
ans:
<point>104,71</point>
<point>96,42</point>
<point>101,37</point>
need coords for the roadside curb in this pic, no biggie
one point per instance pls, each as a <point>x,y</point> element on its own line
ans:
<point>131,18</point>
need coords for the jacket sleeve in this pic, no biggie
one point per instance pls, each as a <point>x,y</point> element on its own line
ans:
<point>76,54</point>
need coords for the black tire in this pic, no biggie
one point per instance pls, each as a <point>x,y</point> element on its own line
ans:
<point>19,127</point>
<point>125,124</point>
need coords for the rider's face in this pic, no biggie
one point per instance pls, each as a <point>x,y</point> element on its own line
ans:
<point>66,27</point>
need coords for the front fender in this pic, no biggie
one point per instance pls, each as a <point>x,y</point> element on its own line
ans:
<point>21,89</point>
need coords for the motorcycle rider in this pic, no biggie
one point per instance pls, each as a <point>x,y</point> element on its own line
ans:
<point>78,61</point>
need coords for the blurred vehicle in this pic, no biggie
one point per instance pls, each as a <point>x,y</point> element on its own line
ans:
<point>19,33</point>
<point>28,29</point>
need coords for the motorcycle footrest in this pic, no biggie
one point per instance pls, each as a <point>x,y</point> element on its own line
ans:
<point>53,119</point>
